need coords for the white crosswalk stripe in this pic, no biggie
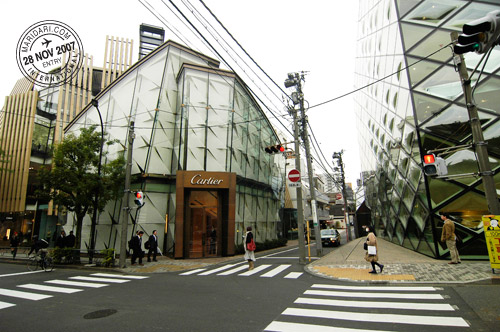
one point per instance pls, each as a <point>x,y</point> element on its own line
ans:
<point>368,307</point>
<point>233,269</point>
<point>75,285</point>
<point>23,295</point>
<point>51,288</point>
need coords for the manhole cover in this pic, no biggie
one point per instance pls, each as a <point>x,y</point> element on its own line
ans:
<point>100,314</point>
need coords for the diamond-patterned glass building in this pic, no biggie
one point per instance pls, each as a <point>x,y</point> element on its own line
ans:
<point>417,106</point>
<point>198,154</point>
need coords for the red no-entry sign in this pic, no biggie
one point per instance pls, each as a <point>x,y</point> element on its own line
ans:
<point>294,175</point>
<point>338,196</point>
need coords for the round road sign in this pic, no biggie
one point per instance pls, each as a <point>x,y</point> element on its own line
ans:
<point>338,196</point>
<point>294,175</point>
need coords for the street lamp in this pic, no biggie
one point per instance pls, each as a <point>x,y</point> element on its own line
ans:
<point>95,103</point>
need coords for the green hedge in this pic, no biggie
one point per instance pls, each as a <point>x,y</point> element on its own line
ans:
<point>261,246</point>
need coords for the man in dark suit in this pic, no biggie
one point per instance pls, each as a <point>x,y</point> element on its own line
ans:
<point>136,246</point>
<point>153,246</point>
<point>70,240</point>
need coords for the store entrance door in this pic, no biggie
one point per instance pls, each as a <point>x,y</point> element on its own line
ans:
<point>203,224</point>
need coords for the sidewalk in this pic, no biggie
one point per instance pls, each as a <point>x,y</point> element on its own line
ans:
<point>401,265</point>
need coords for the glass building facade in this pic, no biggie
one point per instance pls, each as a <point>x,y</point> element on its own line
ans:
<point>194,118</point>
<point>418,107</point>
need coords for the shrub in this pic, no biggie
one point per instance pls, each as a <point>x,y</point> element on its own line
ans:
<point>261,246</point>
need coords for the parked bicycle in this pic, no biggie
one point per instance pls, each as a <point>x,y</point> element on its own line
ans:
<point>42,261</point>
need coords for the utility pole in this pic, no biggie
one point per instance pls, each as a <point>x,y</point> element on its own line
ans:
<point>477,134</point>
<point>340,163</point>
<point>125,200</point>
<point>296,79</point>
<point>300,209</point>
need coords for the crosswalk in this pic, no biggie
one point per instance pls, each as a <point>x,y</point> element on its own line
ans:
<point>374,308</point>
<point>263,271</point>
<point>50,288</point>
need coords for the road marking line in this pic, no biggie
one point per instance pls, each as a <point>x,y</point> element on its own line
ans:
<point>378,318</point>
<point>117,281</point>
<point>217,269</point>
<point>384,305</point>
<point>23,295</point>
<point>236,269</point>
<point>20,273</point>
<point>376,295</point>
<point>293,275</point>
<point>255,270</point>
<point>4,305</point>
<point>299,327</point>
<point>76,283</point>
<point>276,270</point>
<point>364,288</point>
<point>125,276</point>
<point>51,288</point>
<point>191,272</point>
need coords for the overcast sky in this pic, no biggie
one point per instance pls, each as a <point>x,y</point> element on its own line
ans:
<point>282,36</point>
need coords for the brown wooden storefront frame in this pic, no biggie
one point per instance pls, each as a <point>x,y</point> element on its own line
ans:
<point>225,184</point>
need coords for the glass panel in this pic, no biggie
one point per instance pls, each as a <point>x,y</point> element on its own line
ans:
<point>425,106</point>
<point>420,70</point>
<point>453,123</point>
<point>406,5</point>
<point>497,180</point>
<point>408,197</point>
<point>469,208</point>
<point>431,44</point>
<point>413,33</point>
<point>464,162</point>
<point>412,235</point>
<point>470,13</point>
<point>400,233</point>
<point>414,174</point>
<point>419,214</point>
<point>203,224</point>
<point>443,83</point>
<point>433,12</point>
<point>487,96</point>
<point>492,136</point>
<point>404,215</point>
<point>441,190</point>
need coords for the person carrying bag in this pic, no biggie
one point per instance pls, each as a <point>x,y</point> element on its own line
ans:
<point>249,245</point>
<point>372,250</point>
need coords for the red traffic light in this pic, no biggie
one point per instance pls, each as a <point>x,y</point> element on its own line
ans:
<point>274,149</point>
<point>429,159</point>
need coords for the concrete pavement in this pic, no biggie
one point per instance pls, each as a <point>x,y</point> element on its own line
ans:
<point>401,265</point>
<point>346,262</point>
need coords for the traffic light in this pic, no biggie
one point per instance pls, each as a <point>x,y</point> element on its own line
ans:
<point>138,198</point>
<point>479,35</point>
<point>434,165</point>
<point>272,149</point>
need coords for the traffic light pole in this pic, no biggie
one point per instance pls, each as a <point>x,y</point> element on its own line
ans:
<point>317,232</point>
<point>125,200</point>
<point>300,209</point>
<point>477,135</point>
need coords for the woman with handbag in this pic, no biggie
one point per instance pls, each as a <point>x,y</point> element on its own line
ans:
<point>372,250</point>
<point>249,248</point>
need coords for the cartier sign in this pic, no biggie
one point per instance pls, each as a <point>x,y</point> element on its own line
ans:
<point>208,180</point>
<point>199,180</point>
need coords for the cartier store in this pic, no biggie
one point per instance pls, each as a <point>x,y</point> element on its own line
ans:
<point>205,212</point>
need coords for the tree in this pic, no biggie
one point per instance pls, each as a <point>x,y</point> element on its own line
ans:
<point>71,181</point>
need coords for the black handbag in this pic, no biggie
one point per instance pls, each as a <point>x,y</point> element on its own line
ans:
<point>365,246</point>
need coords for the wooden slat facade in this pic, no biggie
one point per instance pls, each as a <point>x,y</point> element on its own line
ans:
<point>16,136</point>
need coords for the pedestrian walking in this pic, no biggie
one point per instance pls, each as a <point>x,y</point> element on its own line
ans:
<point>372,250</point>
<point>70,240</point>
<point>213,241</point>
<point>14,243</point>
<point>153,246</point>
<point>61,240</point>
<point>136,246</point>
<point>249,248</point>
<point>448,236</point>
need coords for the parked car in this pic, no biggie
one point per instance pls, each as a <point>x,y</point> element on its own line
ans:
<point>330,237</point>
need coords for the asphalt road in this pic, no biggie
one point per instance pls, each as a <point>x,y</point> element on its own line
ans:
<point>229,300</point>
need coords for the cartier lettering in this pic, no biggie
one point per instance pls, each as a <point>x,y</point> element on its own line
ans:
<point>197,179</point>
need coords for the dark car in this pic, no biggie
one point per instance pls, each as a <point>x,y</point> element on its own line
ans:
<point>330,237</point>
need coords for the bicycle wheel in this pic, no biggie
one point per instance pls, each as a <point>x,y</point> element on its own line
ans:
<point>48,264</point>
<point>32,264</point>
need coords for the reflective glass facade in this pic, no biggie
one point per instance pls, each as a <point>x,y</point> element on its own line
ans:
<point>189,116</point>
<point>422,108</point>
